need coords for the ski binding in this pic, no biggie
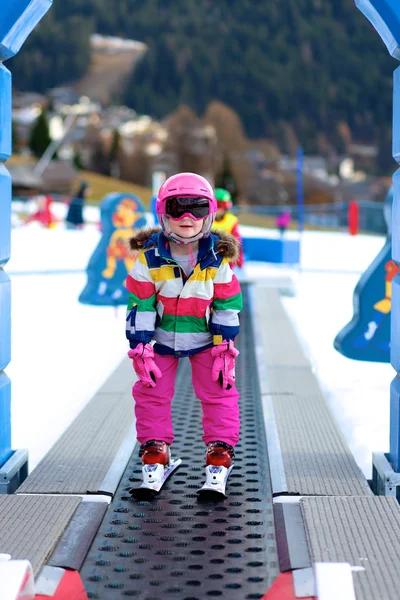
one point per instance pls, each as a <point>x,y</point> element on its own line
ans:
<point>154,477</point>
<point>216,480</point>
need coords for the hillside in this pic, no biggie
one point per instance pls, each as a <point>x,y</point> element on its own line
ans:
<point>100,184</point>
<point>112,60</point>
<point>314,67</point>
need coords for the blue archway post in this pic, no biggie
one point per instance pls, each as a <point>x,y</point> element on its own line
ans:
<point>385,17</point>
<point>17,19</point>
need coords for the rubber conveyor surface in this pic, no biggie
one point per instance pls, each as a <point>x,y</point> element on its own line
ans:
<point>174,546</point>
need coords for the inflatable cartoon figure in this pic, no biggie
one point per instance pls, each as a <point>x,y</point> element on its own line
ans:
<point>112,260</point>
<point>123,220</point>
<point>367,336</point>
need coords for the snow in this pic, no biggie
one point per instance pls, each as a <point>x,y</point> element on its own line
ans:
<point>357,392</point>
<point>63,351</point>
<point>259,232</point>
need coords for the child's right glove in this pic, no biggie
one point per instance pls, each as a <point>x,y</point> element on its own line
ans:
<point>223,369</point>
<point>144,365</point>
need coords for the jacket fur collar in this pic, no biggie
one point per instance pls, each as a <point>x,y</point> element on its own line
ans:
<point>225,244</point>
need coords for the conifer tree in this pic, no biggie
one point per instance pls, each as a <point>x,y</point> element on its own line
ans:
<point>226,180</point>
<point>77,160</point>
<point>40,135</point>
<point>14,137</point>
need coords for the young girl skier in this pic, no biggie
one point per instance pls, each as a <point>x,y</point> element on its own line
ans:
<point>184,296</point>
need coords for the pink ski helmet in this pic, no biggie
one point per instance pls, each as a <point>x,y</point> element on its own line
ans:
<point>185,185</point>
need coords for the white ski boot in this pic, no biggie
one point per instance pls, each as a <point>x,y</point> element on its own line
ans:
<point>157,467</point>
<point>219,464</point>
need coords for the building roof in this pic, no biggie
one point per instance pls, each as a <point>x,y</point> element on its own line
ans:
<point>57,174</point>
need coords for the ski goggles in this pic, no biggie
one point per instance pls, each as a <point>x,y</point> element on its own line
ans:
<point>195,208</point>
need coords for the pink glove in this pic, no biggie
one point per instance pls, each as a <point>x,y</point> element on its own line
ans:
<point>223,370</point>
<point>144,365</point>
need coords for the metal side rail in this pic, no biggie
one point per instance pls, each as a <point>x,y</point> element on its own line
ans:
<point>174,546</point>
<point>308,452</point>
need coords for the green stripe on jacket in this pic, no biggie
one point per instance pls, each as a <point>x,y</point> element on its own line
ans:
<point>183,324</point>
<point>143,305</point>
<point>232,303</point>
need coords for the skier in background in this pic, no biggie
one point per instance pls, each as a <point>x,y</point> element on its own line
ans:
<point>283,221</point>
<point>226,221</point>
<point>184,296</point>
<point>74,218</point>
<point>43,214</point>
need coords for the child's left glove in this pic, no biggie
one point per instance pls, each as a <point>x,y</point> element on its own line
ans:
<point>144,365</point>
<point>223,369</point>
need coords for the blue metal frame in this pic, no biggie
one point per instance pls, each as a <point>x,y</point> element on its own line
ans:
<point>385,17</point>
<point>17,19</point>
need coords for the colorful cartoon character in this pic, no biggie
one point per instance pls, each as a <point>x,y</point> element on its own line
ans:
<point>123,219</point>
<point>112,260</point>
<point>367,336</point>
<point>382,309</point>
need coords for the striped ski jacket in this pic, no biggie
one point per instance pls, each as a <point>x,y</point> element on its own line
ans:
<point>183,315</point>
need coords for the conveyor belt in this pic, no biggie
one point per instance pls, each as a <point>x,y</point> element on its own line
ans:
<point>175,547</point>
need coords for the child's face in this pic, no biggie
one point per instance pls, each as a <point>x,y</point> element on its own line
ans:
<point>186,227</point>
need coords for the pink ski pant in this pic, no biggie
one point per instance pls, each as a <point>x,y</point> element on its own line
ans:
<point>153,405</point>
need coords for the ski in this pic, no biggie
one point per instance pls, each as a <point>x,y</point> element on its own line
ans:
<point>216,480</point>
<point>154,477</point>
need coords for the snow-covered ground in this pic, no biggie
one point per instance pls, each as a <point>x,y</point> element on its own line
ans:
<point>63,351</point>
<point>357,392</point>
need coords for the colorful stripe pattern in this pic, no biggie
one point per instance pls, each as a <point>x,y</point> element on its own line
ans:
<point>182,314</point>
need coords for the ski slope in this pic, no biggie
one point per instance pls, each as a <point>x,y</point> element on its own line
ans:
<point>63,351</point>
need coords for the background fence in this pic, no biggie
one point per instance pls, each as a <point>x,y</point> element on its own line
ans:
<point>326,216</point>
<point>320,216</point>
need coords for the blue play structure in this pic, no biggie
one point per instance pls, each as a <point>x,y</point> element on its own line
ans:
<point>367,336</point>
<point>273,250</point>
<point>17,19</point>
<point>111,261</point>
<point>153,211</point>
